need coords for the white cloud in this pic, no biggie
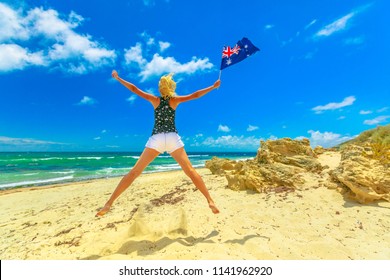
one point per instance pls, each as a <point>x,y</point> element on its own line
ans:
<point>232,141</point>
<point>75,69</point>
<point>156,65</point>
<point>98,56</point>
<point>56,43</point>
<point>11,24</point>
<point>97,138</point>
<point>73,49</point>
<point>310,24</point>
<point>14,57</point>
<point>337,25</point>
<point>363,112</point>
<point>252,128</point>
<point>104,131</point>
<point>150,41</point>
<point>134,55</point>
<point>49,23</point>
<point>87,101</point>
<point>25,141</point>
<point>354,41</point>
<point>131,99</point>
<point>74,19</point>
<point>377,120</point>
<point>164,45</point>
<point>160,65</point>
<point>383,109</point>
<point>327,139</point>
<point>269,26</point>
<point>223,128</point>
<point>151,91</point>
<point>348,101</point>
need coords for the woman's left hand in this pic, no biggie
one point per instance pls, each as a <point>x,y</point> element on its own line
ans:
<point>217,84</point>
<point>114,74</point>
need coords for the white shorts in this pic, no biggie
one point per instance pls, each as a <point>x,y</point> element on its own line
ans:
<point>165,142</point>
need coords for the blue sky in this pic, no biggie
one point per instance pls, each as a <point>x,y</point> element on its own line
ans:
<point>322,72</point>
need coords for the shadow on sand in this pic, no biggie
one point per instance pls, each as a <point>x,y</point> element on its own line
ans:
<point>147,247</point>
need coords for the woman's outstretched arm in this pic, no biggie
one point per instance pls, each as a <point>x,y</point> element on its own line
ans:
<point>196,94</point>
<point>134,89</point>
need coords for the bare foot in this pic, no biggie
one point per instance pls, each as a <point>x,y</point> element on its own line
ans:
<point>213,208</point>
<point>103,211</point>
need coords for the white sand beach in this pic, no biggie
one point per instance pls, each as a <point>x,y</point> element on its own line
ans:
<point>163,216</point>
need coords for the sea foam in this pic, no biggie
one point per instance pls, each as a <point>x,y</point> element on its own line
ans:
<point>35,182</point>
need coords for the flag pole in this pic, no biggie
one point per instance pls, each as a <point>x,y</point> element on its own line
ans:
<point>219,77</point>
<point>220,70</point>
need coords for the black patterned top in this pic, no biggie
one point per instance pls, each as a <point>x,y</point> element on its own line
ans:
<point>164,118</point>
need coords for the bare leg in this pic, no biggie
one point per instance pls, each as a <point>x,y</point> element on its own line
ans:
<point>146,157</point>
<point>181,157</point>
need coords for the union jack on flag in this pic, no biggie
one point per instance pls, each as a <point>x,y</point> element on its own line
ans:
<point>241,50</point>
<point>227,51</point>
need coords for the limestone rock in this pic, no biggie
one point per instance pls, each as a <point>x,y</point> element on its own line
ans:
<point>289,152</point>
<point>365,179</point>
<point>219,165</point>
<point>319,150</point>
<point>263,178</point>
<point>285,147</point>
<point>278,163</point>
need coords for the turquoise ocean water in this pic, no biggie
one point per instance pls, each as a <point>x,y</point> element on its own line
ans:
<point>36,169</point>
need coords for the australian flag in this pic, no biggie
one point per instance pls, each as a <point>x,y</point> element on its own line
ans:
<point>241,50</point>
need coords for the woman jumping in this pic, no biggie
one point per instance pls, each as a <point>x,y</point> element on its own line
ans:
<point>164,137</point>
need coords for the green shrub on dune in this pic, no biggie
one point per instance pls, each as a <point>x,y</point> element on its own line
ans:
<point>378,142</point>
<point>380,135</point>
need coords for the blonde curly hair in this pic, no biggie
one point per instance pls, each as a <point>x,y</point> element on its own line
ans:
<point>167,86</point>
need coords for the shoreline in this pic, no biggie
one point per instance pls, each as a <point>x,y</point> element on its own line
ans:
<point>4,191</point>
<point>48,169</point>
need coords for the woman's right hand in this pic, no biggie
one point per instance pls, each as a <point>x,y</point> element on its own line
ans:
<point>217,84</point>
<point>114,74</point>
